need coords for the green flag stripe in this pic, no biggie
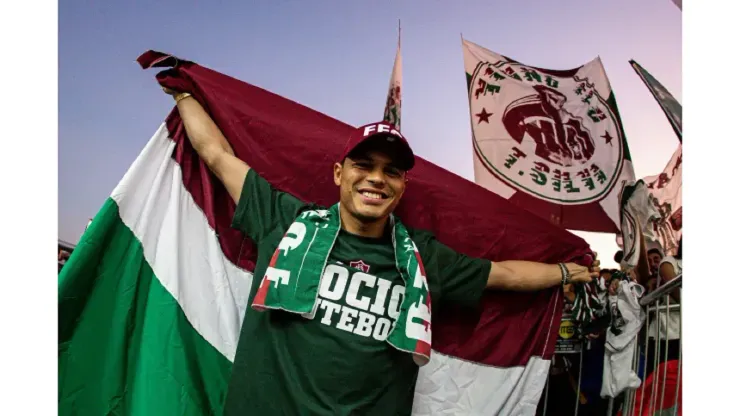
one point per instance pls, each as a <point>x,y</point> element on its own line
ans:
<point>119,327</point>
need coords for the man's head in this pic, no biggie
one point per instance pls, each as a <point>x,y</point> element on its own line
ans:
<point>654,258</point>
<point>372,175</point>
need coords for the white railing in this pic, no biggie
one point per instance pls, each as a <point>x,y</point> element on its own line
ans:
<point>660,309</point>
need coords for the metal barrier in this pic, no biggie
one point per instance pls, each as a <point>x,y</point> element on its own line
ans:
<point>665,314</point>
<point>655,396</point>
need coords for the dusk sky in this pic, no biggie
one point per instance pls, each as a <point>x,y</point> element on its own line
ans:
<point>336,57</point>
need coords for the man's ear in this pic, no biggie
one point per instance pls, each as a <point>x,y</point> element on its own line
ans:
<point>338,173</point>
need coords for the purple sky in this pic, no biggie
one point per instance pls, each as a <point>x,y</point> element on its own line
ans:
<point>336,57</point>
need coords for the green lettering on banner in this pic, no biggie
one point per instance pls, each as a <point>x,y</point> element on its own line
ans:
<point>596,115</point>
<point>484,88</point>
<point>601,177</point>
<point>538,173</point>
<point>532,75</point>
<point>556,185</point>
<point>491,73</point>
<point>513,157</point>
<point>538,177</point>
<point>492,88</point>
<point>569,187</point>
<point>589,182</point>
<point>551,82</point>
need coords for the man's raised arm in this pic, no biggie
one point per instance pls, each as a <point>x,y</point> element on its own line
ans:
<point>211,145</point>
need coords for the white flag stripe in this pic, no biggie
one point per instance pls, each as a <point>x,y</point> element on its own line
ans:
<point>181,247</point>
<point>450,386</point>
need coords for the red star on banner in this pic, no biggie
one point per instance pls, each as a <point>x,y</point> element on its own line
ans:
<point>483,116</point>
<point>607,138</point>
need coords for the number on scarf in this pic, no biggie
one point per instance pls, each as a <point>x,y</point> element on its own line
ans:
<point>420,331</point>
<point>277,275</point>
<point>293,238</point>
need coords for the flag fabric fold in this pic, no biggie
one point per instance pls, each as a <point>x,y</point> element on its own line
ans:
<point>152,299</point>
<point>549,141</point>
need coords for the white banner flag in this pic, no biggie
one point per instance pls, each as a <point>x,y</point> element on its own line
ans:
<point>550,141</point>
<point>665,191</point>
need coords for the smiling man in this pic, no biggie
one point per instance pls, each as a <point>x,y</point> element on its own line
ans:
<point>342,299</point>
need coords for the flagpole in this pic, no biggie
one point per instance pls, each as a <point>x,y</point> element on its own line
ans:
<point>399,33</point>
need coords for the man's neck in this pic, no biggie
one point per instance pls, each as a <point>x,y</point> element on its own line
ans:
<point>354,226</point>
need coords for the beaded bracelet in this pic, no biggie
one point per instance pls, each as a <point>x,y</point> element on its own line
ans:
<point>565,274</point>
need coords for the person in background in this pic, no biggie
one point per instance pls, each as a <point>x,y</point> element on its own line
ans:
<point>654,257</point>
<point>670,267</point>
<point>667,326</point>
<point>62,258</point>
<point>606,274</point>
<point>618,256</point>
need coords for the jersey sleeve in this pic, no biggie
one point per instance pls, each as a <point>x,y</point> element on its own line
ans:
<point>456,278</point>
<point>262,209</point>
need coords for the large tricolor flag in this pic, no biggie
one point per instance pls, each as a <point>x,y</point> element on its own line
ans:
<point>392,111</point>
<point>549,141</point>
<point>152,299</point>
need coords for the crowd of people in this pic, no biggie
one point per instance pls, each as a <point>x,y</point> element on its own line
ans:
<point>661,331</point>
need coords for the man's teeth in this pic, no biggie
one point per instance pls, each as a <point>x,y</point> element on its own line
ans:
<point>372,195</point>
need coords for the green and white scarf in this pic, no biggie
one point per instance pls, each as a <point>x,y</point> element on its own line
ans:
<point>293,278</point>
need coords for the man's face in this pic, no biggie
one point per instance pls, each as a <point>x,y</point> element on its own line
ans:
<point>654,261</point>
<point>370,187</point>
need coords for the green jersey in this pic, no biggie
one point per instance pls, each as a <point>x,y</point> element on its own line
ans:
<point>337,363</point>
